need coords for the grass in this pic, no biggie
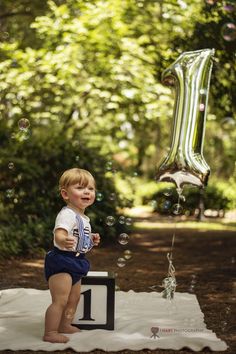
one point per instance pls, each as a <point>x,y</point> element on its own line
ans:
<point>204,226</point>
<point>154,222</point>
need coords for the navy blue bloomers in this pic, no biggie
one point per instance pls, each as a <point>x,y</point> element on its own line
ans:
<point>58,261</point>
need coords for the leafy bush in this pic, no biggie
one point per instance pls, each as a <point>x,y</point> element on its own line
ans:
<point>29,199</point>
<point>217,196</point>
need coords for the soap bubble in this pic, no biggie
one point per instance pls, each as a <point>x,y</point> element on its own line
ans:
<point>4,35</point>
<point>177,209</point>
<point>121,262</point>
<point>227,310</point>
<point>23,124</point>
<point>128,221</point>
<point>224,325</point>
<point>169,81</point>
<point>122,219</point>
<point>110,220</point>
<point>11,165</point>
<point>202,107</point>
<point>228,32</point>
<point>127,254</point>
<point>99,196</point>
<point>112,196</point>
<point>164,205</point>
<point>168,192</point>
<point>211,2</point>
<point>191,289</point>
<point>153,204</point>
<point>229,7</point>
<point>109,165</point>
<point>10,193</point>
<point>123,239</point>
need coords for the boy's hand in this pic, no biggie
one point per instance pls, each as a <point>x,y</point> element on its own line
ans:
<point>96,239</point>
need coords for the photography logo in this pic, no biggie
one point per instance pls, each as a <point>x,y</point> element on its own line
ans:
<point>154,331</point>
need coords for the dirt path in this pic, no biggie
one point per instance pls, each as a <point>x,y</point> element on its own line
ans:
<point>204,262</point>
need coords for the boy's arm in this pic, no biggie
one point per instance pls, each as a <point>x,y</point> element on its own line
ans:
<point>63,240</point>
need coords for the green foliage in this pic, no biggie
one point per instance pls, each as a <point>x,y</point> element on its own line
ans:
<point>86,75</point>
<point>213,197</point>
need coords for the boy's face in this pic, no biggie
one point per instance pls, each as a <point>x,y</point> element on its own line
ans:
<point>79,197</point>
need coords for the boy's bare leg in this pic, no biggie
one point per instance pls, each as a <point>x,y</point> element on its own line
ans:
<point>70,309</point>
<point>60,287</point>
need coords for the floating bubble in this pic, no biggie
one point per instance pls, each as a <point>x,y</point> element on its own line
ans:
<point>169,81</point>
<point>11,165</point>
<point>228,32</point>
<point>229,7</point>
<point>203,91</point>
<point>202,107</point>
<point>153,204</point>
<point>211,2</point>
<point>127,254</point>
<point>128,221</point>
<point>224,325</point>
<point>123,238</point>
<point>23,124</point>
<point>110,220</point>
<point>9,193</point>
<point>121,262</point>
<point>177,209</point>
<point>191,289</point>
<point>4,35</point>
<point>187,213</point>
<point>168,192</point>
<point>227,310</point>
<point>112,196</point>
<point>99,196</point>
<point>122,219</point>
<point>166,205</point>
<point>109,165</point>
<point>228,123</point>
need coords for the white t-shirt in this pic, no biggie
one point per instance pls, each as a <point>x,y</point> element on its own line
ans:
<point>66,219</point>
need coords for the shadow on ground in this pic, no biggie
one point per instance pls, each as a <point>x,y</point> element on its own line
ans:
<point>204,262</point>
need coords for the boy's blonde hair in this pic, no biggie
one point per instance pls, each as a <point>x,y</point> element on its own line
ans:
<point>74,176</point>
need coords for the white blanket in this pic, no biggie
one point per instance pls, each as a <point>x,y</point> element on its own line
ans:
<point>142,320</point>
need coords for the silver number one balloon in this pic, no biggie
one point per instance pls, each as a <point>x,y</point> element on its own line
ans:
<point>185,164</point>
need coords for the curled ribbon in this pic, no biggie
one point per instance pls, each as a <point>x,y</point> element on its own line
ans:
<point>169,283</point>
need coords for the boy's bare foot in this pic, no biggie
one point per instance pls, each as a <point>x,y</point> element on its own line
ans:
<point>54,337</point>
<point>69,329</point>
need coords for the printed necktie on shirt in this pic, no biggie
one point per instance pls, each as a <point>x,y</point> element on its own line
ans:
<point>85,242</point>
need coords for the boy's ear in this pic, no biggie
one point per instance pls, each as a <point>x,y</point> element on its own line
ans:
<point>64,194</point>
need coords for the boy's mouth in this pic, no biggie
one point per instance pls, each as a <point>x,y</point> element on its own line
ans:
<point>86,199</point>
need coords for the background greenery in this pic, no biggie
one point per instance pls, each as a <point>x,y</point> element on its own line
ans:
<point>86,77</point>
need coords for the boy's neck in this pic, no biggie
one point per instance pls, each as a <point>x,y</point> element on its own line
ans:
<point>77,210</point>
